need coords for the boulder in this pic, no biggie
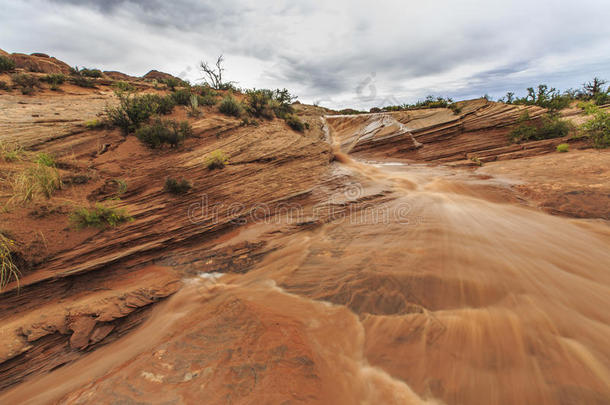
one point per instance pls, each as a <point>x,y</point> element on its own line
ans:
<point>40,64</point>
<point>159,76</point>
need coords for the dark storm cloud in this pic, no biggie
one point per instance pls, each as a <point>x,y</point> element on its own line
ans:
<point>326,50</point>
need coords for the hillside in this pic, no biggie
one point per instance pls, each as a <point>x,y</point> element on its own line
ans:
<point>252,281</point>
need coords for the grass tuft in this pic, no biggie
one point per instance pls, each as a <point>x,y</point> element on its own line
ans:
<point>8,269</point>
<point>99,217</point>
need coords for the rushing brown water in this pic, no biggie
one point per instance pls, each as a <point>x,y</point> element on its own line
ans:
<point>436,290</point>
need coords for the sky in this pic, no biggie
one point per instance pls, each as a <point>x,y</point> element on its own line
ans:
<point>339,53</point>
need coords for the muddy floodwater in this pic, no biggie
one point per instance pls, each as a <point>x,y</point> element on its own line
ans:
<point>425,284</point>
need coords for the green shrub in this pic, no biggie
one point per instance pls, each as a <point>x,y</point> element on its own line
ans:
<point>602,98</point>
<point>133,110</point>
<point>8,269</point>
<point>173,82</point>
<point>598,130</point>
<point>165,104</point>
<point>95,73</point>
<point>207,100</point>
<point>563,148</point>
<point>216,160</point>
<point>54,80</point>
<point>177,187</point>
<point>267,103</point>
<point>45,159</point>
<point>99,217</point>
<point>123,86</point>
<point>4,86</point>
<point>162,132</point>
<point>547,127</point>
<point>26,82</point>
<point>95,124</point>
<point>230,106</point>
<point>182,96</point>
<point>82,81</point>
<point>295,123</point>
<point>6,64</point>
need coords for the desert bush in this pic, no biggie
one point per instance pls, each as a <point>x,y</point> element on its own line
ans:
<point>25,82</point>
<point>133,110</point>
<point>563,148</point>
<point>476,160</point>
<point>82,81</point>
<point>8,269</point>
<point>45,159</point>
<point>207,100</point>
<point>177,187</point>
<point>165,104</point>
<point>99,217</point>
<point>94,73</point>
<point>162,132</point>
<point>182,96</point>
<point>267,103</point>
<point>216,160</point>
<point>598,129</point>
<point>54,80</point>
<point>547,127</point>
<point>194,106</point>
<point>4,86</point>
<point>123,86</point>
<point>173,82</point>
<point>6,64</point>
<point>295,123</point>
<point>230,106</point>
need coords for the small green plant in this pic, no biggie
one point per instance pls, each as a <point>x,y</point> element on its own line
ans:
<point>8,269</point>
<point>207,100</point>
<point>99,217</point>
<point>122,187</point>
<point>95,124</point>
<point>4,86</point>
<point>162,132</point>
<point>82,81</point>
<point>6,64</point>
<point>216,160</point>
<point>182,96</point>
<point>45,159</point>
<point>563,148</point>
<point>476,160</point>
<point>194,107</point>
<point>25,82</point>
<point>54,80</point>
<point>123,86</point>
<point>248,121</point>
<point>598,129</point>
<point>295,123</point>
<point>230,106</point>
<point>177,187</point>
<point>173,82</point>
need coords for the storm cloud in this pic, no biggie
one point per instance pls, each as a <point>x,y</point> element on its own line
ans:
<point>340,53</point>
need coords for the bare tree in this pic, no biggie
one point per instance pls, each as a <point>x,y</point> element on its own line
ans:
<point>213,74</point>
<point>595,87</point>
